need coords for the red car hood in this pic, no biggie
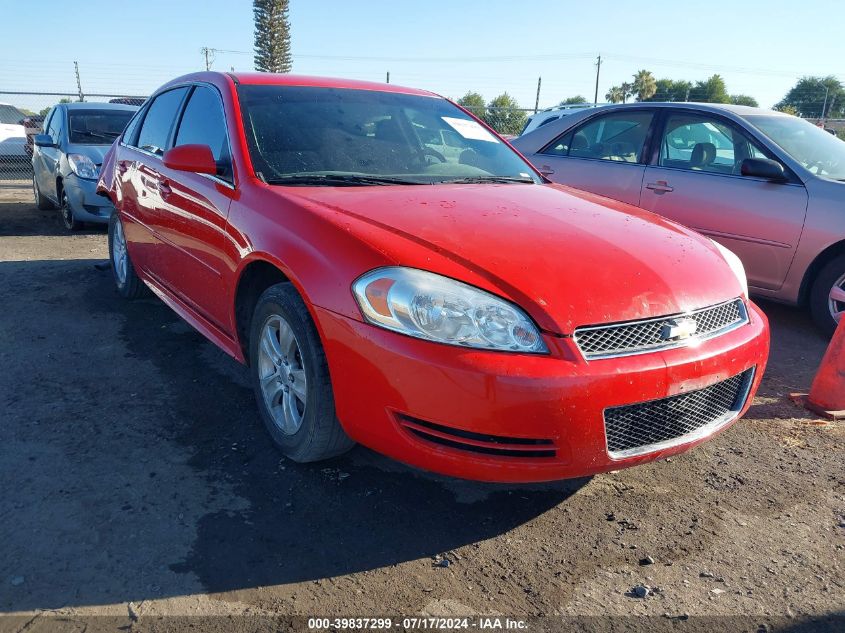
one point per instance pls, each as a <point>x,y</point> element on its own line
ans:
<point>567,257</point>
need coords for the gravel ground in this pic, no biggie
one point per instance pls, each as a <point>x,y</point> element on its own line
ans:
<point>137,483</point>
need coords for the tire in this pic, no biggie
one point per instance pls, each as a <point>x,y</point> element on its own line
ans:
<point>128,285</point>
<point>42,203</point>
<point>70,222</point>
<point>821,302</point>
<point>311,432</point>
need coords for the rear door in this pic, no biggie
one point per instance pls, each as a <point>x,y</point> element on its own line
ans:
<point>696,180</point>
<point>193,210</point>
<point>46,160</point>
<point>603,155</point>
<point>139,165</point>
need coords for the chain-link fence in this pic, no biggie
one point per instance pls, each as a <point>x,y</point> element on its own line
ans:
<point>22,117</point>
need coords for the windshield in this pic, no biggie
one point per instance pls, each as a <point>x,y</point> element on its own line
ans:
<point>10,115</point>
<point>97,127</point>
<point>336,136</point>
<point>820,152</point>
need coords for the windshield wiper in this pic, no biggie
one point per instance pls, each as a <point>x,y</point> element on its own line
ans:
<point>494,179</point>
<point>105,135</point>
<point>348,180</point>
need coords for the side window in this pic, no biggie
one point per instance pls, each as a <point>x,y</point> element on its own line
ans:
<point>155,130</point>
<point>46,124</point>
<point>203,122</point>
<point>617,137</point>
<point>55,127</point>
<point>132,128</point>
<point>708,144</point>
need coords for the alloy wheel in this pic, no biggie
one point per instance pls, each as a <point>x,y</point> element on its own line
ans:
<point>281,372</point>
<point>67,214</point>
<point>836,299</point>
<point>119,255</point>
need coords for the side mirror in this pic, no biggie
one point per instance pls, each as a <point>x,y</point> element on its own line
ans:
<point>195,158</point>
<point>762,168</point>
<point>43,140</point>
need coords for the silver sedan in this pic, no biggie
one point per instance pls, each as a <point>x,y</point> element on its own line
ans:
<point>768,186</point>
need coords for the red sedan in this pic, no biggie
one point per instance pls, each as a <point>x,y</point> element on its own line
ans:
<point>395,274</point>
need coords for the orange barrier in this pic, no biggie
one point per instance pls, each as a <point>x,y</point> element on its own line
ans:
<point>827,395</point>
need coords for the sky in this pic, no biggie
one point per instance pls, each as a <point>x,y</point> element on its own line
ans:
<point>759,47</point>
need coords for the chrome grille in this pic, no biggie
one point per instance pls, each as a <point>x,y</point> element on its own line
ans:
<point>638,337</point>
<point>649,426</point>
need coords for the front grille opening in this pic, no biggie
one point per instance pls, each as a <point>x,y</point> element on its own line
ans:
<point>637,337</point>
<point>648,426</point>
<point>481,443</point>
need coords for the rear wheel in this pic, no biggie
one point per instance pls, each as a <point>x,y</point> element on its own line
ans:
<point>70,222</point>
<point>291,380</point>
<point>41,202</point>
<point>128,285</point>
<point>827,296</point>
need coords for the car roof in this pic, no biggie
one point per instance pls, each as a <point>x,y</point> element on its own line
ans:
<point>94,105</point>
<point>287,79</point>
<point>739,110</point>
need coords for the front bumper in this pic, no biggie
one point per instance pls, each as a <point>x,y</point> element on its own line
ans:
<point>86,205</point>
<point>382,380</point>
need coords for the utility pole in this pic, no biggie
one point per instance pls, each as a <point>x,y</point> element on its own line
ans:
<point>824,105</point>
<point>537,101</point>
<point>209,56</point>
<point>78,82</point>
<point>388,77</point>
<point>598,70</point>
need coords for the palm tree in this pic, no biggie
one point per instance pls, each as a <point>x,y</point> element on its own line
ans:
<point>627,91</point>
<point>614,95</point>
<point>644,85</point>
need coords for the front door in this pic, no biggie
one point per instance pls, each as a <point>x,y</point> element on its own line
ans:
<point>696,181</point>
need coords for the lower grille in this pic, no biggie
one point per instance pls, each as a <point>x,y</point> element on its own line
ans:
<point>649,426</point>
<point>481,443</point>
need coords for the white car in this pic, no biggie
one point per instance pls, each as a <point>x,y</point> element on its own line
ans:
<point>553,114</point>
<point>12,132</point>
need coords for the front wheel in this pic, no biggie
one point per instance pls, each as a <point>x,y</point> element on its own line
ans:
<point>827,296</point>
<point>291,380</point>
<point>128,285</point>
<point>68,219</point>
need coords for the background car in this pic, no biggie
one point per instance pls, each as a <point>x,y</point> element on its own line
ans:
<point>446,308</point>
<point>544,117</point>
<point>769,186</point>
<point>12,133</point>
<point>66,159</point>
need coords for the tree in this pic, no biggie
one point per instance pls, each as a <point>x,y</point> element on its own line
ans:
<point>712,90</point>
<point>272,36</point>
<point>787,109</point>
<point>473,102</point>
<point>807,97</point>
<point>504,115</point>
<point>745,100</point>
<point>670,90</point>
<point>620,94</point>
<point>573,100</point>
<point>644,85</point>
<point>614,95</point>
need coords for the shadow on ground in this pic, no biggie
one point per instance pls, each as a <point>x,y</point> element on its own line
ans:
<point>137,450</point>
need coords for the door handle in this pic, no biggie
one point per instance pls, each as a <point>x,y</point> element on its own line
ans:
<point>164,187</point>
<point>661,186</point>
<point>546,170</point>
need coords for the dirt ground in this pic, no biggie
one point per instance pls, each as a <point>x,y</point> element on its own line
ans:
<point>137,483</point>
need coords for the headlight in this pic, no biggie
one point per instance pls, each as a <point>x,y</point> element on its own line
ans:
<point>437,308</point>
<point>736,266</point>
<point>82,166</point>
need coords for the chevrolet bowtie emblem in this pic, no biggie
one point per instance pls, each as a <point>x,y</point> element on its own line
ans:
<point>678,329</point>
